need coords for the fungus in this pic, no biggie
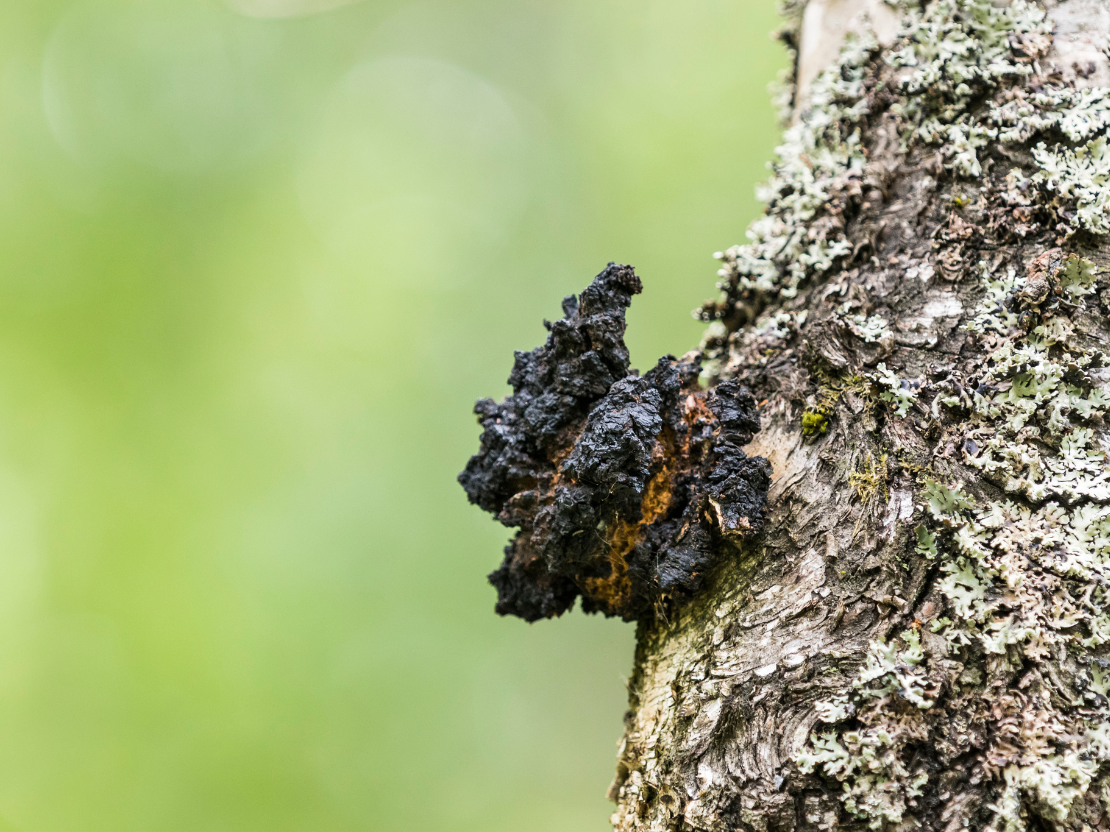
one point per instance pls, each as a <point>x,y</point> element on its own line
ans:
<point>625,488</point>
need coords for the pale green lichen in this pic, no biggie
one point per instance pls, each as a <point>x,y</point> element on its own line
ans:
<point>899,392</point>
<point>993,314</point>
<point>953,52</point>
<point>775,326</point>
<point>949,56</point>
<point>896,671</point>
<point>1078,174</point>
<point>953,46</point>
<point>1025,578</point>
<point>1081,175</point>
<point>871,330</point>
<point>770,333</point>
<point>1032,575</point>
<point>1099,681</point>
<point>817,158</point>
<point>877,785</point>
<point>942,500</point>
<point>959,49</point>
<point>1039,392</point>
<point>1051,783</point>
<point>1078,114</point>
<point>926,542</point>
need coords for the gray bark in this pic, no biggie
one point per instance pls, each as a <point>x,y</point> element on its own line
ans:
<point>920,638</point>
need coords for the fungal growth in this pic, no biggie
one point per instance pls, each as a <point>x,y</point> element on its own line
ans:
<point>624,488</point>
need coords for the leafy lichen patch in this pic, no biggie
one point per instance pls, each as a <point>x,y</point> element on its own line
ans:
<point>802,231</point>
<point>1025,578</point>
<point>879,782</point>
<point>898,391</point>
<point>946,58</point>
<point>1081,175</point>
<point>954,52</point>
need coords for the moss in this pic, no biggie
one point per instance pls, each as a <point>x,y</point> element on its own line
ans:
<point>816,421</point>
<point>830,388</point>
<point>870,478</point>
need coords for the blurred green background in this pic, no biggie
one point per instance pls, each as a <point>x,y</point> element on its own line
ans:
<point>255,266</point>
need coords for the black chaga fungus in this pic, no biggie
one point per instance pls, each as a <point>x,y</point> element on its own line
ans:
<point>624,487</point>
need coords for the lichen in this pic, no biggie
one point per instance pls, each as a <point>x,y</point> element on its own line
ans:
<point>1025,576</point>
<point>954,52</point>
<point>946,58</point>
<point>898,391</point>
<point>802,230</point>
<point>871,329</point>
<point>870,760</point>
<point>1081,175</point>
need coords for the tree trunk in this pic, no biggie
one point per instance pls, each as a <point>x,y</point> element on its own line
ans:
<point>915,629</point>
<point>919,639</point>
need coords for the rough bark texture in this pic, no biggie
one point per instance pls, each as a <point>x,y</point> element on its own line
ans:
<point>920,637</point>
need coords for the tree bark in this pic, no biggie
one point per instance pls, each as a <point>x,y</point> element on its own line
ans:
<point>869,556</point>
<point>919,637</point>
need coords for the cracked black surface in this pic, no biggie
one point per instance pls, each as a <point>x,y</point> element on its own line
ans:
<point>625,488</point>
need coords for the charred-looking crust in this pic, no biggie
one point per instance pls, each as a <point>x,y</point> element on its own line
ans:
<point>624,487</point>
